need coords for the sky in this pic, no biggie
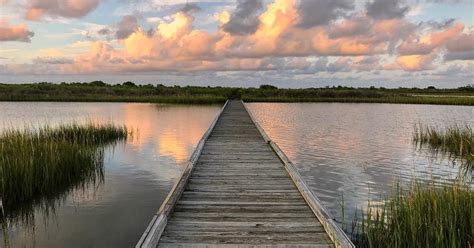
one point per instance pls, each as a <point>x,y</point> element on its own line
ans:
<point>287,43</point>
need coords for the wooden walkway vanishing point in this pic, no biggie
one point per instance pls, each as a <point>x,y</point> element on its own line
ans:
<point>240,190</point>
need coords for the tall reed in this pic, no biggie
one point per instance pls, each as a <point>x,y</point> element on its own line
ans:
<point>38,164</point>
<point>426,216</point>
<point>455,141</point>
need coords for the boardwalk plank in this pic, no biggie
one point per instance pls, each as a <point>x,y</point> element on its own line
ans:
<point>240,194</point>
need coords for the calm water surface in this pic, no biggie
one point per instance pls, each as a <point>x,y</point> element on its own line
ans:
<point>138,174</point>
<point>357,151</point>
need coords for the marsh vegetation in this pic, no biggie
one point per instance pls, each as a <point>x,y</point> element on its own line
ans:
<point>133,179</point>
<point>423,216</point>
<point>456,142</point>
<point>40,165</point>
<point>131,92</point>
<point>437,214</point>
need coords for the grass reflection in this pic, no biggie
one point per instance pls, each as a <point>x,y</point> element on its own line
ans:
<point>455,141</point>
<point>424,216</point>
<point>39,166</point>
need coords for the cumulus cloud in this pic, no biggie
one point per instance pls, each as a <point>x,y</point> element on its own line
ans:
<point>190,8</point>
<point>104,31</point>
<point>321,12</point>
<point>460,47</point>
<point>412,63</point>
<point>356,26</point>
<point>176,45</point>
<point>468,55</point>
<point>461,43</point>
<point>340,65</point>
<point>464,70</point>
<point>386,9</point>
<point>17,32</point>
<point>419,51</point>
<point>425,44</point>
<point>38,9</point>
<point>280,38</point>
<point>126,26</point>
<point>52,60</point>
<point>244,19</point>
<point>366,63</point>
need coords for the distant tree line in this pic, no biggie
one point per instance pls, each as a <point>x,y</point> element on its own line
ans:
<point>130,91</point>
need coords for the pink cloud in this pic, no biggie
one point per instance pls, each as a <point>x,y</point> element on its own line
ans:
<point>37,9</point>
<point>461,47</point>
<point>425,44</point>
<point>18,32</point>
<point>412,63</point>
<point>176,45</point>
<point>461,43</point>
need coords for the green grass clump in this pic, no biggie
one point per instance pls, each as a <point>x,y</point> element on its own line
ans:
<point>423,217</point>
<point>455,141</point>
<point>45,163</point>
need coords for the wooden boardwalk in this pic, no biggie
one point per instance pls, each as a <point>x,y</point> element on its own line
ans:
<point>238,190</point>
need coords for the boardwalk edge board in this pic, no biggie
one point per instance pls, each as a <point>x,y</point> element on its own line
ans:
<point>152,234</point>
<point>337,235</point>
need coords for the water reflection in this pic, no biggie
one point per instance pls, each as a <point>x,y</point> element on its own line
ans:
<point>173,133</point>
<point>357,151</point>
<point>137,174</point>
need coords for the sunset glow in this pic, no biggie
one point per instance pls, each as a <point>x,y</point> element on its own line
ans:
<point>291,43</point>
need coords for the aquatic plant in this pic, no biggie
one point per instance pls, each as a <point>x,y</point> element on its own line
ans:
<point>425,216</point>
<point>45,163</point>
<point>455,141</point>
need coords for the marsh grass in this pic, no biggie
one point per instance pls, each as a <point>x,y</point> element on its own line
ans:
<point>130,92</point>
<point>40,165</point>
<point>455,141</point>
<point>425,216</point>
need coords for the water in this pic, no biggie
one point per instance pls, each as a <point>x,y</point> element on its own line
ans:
<point>358,151</point>
<point>138,174</point>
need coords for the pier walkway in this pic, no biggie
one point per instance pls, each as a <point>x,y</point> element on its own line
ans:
<point>239,189</point>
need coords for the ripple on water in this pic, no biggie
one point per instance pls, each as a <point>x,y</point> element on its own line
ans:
<point>358,150</point>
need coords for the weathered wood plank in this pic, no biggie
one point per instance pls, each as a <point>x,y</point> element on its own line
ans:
<point>266,203</point>
<point>151,236</point>
<point>185,214</point>
<point>254,164</point>
<point>242,173</point>
<point>216,206</point>
<point>238,193</point>
<point>244,234</point>
<point>237,169</point>
<point>207,245</point>
<point>249,229</point>
<point>244,209</point>
<point>257,224</point>
<point>239,188</point>
<point>250,239</point>
<point>240,199</point>
<point>241,194</point>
